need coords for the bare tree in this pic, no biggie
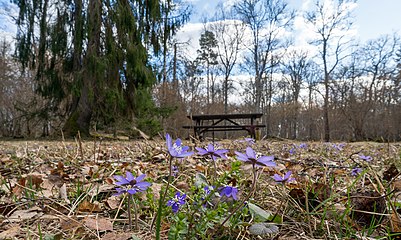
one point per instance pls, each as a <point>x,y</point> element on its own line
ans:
<point>295,69</point>
<point>229,34</point>
<point>266,21</point>
<point>331,21</point>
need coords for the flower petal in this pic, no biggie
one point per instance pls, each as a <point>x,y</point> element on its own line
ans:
<point>234,192</point>
<point>140,178</point>
<point>132,191</point>
<point>168,141</point>
<point>201,151</point>
<point>266,161</point>
<point>143,185</point>
<point>277,178</point>
<point>121,180</point>
<point>242,157</point>
<point>287,175</point>
<point>130,177</point>
<point>251,153</point>
<point>210,148</point>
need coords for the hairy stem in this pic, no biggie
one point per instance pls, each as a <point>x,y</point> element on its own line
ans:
<point>162,199</point>
<point>244,201</point>
<point>135,211</point>
<point>129,212</point>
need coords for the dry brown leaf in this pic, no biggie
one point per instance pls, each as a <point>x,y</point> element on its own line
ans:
<point>68,224</point>
<point>117,236</point>
<point>156,187</point>
<point>113,202</point>
<point>10,233</point>
<point>17,190</point>
<point>63,193</point>
<point>21,215</point>
<point>395,222</point>
<point>34,180</point>
<point>390,173</point>
<point>396,184</point>
<point>99,224</point>
<point>87,206</point>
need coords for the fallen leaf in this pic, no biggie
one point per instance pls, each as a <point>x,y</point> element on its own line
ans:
<point>68,224</point>
<point>390,173</point>
<point>395,222</point>
<point>10,233</point>
<point>367,207</point>
<point>17,190</point>
<point>21,215</point>
<point>99,224</point>
<point>113,202</point>
<point>117,236</point>
<point>263,229</point>
<point>63,193</point>
<point>86,206</point>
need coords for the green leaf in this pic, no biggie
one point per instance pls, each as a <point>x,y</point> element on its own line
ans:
<point>258,213</point>
<point>263,229</point>
<point>200,180</point>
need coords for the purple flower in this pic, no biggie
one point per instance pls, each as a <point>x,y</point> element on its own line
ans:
<point>174,170</point>
<point>292,151</point>
<point>130,184</point>
<point>250,141</point>
<point>250,157</point>
<point>355,171</point>
<point>214,154</point>
<point>177,201</point>
<point>366,158</point>
<point>208,189</point>
<point>286,178</point>
<point>175,149</point>
<point>303,145</point>
<point>338,147</point>
<point>229,191</point>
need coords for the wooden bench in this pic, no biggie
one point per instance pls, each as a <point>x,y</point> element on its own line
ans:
<point>224,122</point>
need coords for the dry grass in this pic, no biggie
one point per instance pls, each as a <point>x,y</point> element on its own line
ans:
<point>63,189</point>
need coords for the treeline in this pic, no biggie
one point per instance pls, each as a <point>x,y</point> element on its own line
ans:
<point>110,65</point>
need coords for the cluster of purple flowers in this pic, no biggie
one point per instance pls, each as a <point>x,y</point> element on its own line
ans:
<point>177,201</point>
<point>133,185</point>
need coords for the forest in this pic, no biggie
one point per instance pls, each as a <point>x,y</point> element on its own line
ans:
<point>118,66</point>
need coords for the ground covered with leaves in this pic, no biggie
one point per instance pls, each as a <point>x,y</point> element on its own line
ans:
<point>67,190</point>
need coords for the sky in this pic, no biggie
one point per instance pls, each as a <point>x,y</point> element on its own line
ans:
<point>372,17</point>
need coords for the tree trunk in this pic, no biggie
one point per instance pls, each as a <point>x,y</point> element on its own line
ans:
<point>81,114</point>
<point>80,118</point>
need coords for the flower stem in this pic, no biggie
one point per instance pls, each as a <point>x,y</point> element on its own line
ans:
<point>163,198</point>
<point>215,170</point>
<point>129,212</point>
<point>135,211</point>
<point>244,201</point>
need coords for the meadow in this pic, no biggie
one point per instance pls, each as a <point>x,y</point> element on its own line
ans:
<point>229,189</point>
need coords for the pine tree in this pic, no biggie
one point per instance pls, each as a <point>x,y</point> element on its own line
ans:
<point>91,56</point>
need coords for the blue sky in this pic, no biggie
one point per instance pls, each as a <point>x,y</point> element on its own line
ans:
<point>372,17</point>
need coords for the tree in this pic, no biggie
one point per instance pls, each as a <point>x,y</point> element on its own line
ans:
<point>229,33</point>
<point>295,68</point>
<point>330,20</point>
<point>265,21</point>
<point>208,56</point>
<point>95,60</point>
